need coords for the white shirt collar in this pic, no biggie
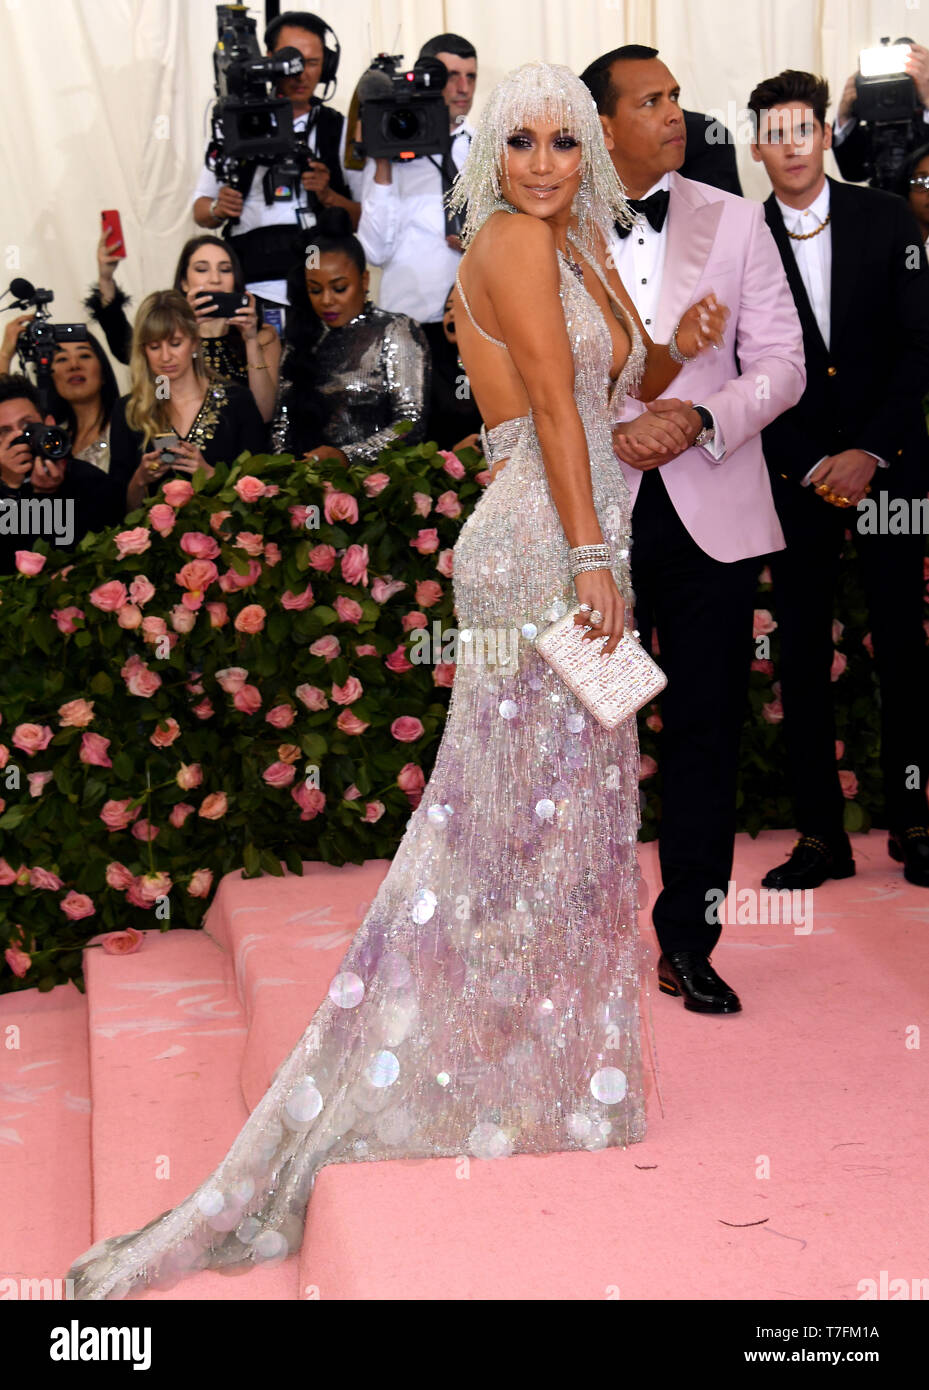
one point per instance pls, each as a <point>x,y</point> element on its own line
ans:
<point>466,128</point>
<point>795,219</point>
<point>663,184</point>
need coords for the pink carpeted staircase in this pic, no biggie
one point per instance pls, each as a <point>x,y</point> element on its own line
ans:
<point>788,1162</point>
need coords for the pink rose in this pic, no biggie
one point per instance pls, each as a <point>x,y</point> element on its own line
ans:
<point>18,961</point>
<point>116,815</point>
<point>409,621</point>
<point>109,597</point>
<point>340,506</point>
<point>122,943</point>
<point>250,541</point>
<point>448,505</point>
<point>134,896</point>
<point>141,681</point>
<point>201,882</point>
<point>77,905</point>
<point>217,519</point>
<point>428,592</point>
<point>483,477</point>
<point>153,628</point>
<point>178,492</point>
<point>426,540</point>
<point>762,623</point>
<point>279,774</point>
<point>355,565</point>
<point>383,589</point>
<point>164,737</point>
<point>349,723</point>
<point>143,830</point>
<point>214,806</point>
<point>247,700</point>
<point>763,665</point>
<point>198,546</point>
<point>162,518</point>
<point>272,554</point>
<point>654,722</point>
<point>411,779</point>
<point>297,602</point>
<point>232,581</point>
<point>141,590</point>
<point>452,465</point>
<point>868,644</point>
<point>310,800</point>
<point>188,776</point>
<point>28,562</point>
<point>197,576</point>
<point>118,876</point>
<point>312,697</point>
<point>765,576</point>
<point>773,711</point>
<point>179,814</point>
<point>281,716</point>
<point>444,674</point>
<point>348,610</point>
<point>8,874</point>
<point>647,767</point>
<point>298,516</point>
<point>839,663</point>
<point>366,649</point>
<point>288,752</point>
<point>849,783</point>
<point>76,714</point>
<point>328,647</point>
<point>154,886</point>
<point>375,483</point>
<point>837,630</point>
<point>445,562</point>
<point>204,710</point>
<point>38,781</point>
<point>422,503</point>
<point>66,618</point>
<point>351,793</point>
<point>231,678</point>
<point>397,661</point>
<point>250,489</point>
<point>348,693</point>
<point>219,614</point>
<point>322,557</point>
<point>129,616</point>
<point>839,749</point>
<point>407,729</point>
<point>31,738</point>
<point>183,619</point>
<point>134,542</point>
<point>42,878</point>
<point>93,750</point>
<point>251,619</point>
<point>373,811</point>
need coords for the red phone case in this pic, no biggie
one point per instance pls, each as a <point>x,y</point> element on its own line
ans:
<point>113,231</point>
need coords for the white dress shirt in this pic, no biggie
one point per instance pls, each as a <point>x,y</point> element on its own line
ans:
<point>639,259</point>
<point>402,229</point>
<point>814,262</point>
<point>257,213</point>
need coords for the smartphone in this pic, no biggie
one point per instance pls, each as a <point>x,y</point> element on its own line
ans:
<point>113,232</point>
<point>226,304</point>
<point>164,442</point>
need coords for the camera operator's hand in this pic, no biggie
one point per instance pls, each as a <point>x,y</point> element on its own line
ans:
<point>48,474</point>
<point>106,266</point>
<point>246,320</point>
<point>229,202</point>
<point>10,337</point>
<point>917,65</point>
<point>846,111</point>
<point>316,180</point>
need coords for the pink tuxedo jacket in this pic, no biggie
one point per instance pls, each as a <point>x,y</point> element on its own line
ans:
<point>720,242</point>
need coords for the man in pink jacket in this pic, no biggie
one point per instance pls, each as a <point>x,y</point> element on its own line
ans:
<point>703,514</point>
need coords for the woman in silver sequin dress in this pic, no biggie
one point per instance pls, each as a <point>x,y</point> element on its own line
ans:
<point>490,1002</point>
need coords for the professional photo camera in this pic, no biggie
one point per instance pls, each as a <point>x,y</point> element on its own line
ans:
<point>887,100</point>
<point>47,441</point>
<point>403,114</point>
<point>37,342</point>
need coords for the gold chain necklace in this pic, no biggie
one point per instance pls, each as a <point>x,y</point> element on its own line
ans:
<point>805,236</point>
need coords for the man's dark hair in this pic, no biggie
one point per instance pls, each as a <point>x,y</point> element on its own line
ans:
<point>598,75</point>
<point>14,387</point>
<point>448,43</point>
<point>789,86</point>
<point>296,19</point>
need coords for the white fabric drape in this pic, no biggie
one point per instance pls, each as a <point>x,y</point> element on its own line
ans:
<point>106,101</point>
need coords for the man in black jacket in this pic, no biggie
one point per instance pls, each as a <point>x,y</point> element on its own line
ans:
<point>855,263</point>
<point>710,153</point>
<point>878,153</point>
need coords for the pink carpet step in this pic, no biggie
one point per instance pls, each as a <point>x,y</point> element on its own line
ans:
<point>166,1034</point>
<point>44,1135</point>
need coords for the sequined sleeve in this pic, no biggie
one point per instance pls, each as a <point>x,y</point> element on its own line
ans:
<point>406,365</point>
<point>279,429</point>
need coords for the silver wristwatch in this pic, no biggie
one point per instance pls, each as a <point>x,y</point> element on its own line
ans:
<point>708,432</point>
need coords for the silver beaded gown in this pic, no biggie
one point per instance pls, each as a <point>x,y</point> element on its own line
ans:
<point>490,1002</point>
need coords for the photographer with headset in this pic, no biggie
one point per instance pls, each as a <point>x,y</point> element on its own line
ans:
<point>268,235</point>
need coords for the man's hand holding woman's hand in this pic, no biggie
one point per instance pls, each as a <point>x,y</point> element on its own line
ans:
<point>664,430</point>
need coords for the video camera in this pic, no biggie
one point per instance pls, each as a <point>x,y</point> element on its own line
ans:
<point>250,127</point>
<point>39,339</point>
<point>403,114</point>
<point>886,99</point>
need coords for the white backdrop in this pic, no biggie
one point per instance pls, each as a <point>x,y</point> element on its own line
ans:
<point>105,102</point>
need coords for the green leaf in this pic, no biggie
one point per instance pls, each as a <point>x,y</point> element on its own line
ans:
<point>123,766</point>
<point>101,684</point>
<point>314,746</point>
<point>294,860</point>
<point>252,860</point>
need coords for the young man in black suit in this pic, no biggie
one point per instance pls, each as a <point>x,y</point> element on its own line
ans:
<point>855,264</point>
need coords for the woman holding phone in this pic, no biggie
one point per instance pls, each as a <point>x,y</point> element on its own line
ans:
<point>207,266</point>
<point>211,420</point>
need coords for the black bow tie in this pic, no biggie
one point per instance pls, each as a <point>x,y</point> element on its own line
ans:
<point>654,208</point>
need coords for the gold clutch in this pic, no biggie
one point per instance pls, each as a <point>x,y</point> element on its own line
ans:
<point>612,687</point>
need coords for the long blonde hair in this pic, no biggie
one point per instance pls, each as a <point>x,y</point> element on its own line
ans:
<point>160,315</point>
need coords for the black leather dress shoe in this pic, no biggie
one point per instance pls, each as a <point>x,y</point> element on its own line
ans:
<point>690,973</point>
<point>811,862</point>
<point>911,849</point>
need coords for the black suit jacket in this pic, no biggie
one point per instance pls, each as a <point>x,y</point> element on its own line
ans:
<point>866,390</point>
<point>854,154</point>
<point>708,160</point>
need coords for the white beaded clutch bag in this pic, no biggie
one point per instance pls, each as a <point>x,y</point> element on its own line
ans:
<point>612,687</point>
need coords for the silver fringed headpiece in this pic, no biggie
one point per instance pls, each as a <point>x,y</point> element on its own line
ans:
<point>527,96</point>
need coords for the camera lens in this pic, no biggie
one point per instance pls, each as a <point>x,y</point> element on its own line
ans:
<point>402,124</point>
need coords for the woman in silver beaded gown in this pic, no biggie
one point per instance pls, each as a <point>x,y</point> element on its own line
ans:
<point>489,1004</point>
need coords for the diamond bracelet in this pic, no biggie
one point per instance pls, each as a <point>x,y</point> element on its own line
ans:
<point>589,557</point>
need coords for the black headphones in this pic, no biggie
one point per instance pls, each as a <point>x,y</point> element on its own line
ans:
<point>332,49</point>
